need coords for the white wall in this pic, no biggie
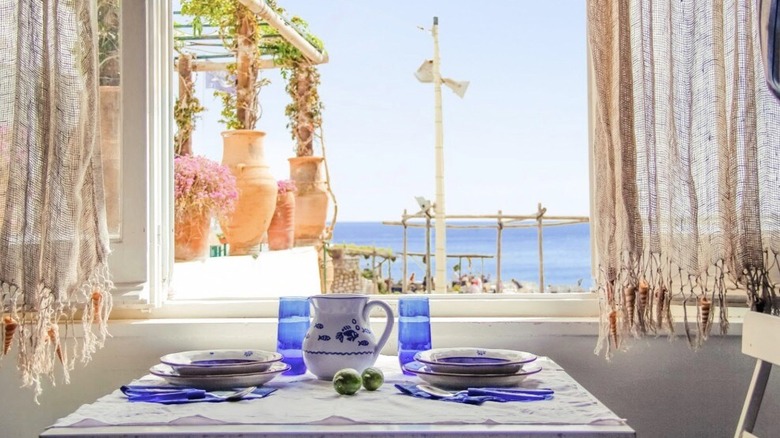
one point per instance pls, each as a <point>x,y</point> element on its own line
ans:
<point>663,389</point>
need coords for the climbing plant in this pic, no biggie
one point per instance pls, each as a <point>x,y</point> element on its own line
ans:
<point>304,112</point>
<point>241,32</point>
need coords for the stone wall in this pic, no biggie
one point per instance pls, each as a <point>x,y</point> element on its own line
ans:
<point>346,275</point>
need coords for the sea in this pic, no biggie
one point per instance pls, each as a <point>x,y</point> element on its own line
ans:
<point>566,252</point>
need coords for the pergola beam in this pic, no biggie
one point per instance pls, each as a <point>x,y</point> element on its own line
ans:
<point>199,65</point>
<point>288,32</point>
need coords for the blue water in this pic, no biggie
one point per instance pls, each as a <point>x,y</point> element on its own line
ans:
<point>566,251</point>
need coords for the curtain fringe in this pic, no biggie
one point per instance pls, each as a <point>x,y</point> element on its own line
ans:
<point>35,329</point>
<point>636,300</point>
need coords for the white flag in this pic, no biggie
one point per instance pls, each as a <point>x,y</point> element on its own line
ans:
<point>221,81</point>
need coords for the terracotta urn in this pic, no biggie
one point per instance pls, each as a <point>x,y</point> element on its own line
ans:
<point>191,237</point>
<point>311,199</point>
<point>281,232</point>
<point>245,228</point>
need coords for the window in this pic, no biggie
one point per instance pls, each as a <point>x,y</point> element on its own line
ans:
<point>138,260</point>
<point>142,261</point>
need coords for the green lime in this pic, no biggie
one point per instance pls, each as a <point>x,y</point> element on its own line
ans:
<point>373,378</point>
<point>347,381</point>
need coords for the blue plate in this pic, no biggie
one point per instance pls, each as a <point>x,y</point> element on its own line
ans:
<point>466,360</point>
<point>458,382</point>
<point>219,381</point>
<point>211,362</point>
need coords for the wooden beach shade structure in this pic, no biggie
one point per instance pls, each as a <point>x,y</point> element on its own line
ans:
<point>538,220</point>
<point>377,255</point>
<point>460,257</point>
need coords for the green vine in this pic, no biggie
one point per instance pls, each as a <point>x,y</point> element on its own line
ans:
<point>229,115</point>
<point>185,113</point>
<point>245,35</point>
<point>304,112</point>
<point>241,32</point>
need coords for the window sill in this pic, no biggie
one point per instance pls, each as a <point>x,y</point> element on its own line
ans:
<point>260,316</point>
<point>490,331</point>
<point>576,305</point>
<point>262,331</point>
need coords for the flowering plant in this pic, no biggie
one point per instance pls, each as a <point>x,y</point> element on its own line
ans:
<point>286,186</point>
<point>202,186</point>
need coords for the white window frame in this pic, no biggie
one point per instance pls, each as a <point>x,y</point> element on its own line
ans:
<point>142,262</point>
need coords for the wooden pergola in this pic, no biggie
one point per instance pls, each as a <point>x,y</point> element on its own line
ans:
<point>378,257</point>
<point>207,53</point>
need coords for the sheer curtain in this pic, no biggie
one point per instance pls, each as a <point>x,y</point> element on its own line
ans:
<point>53,236</point>
<point>770,42</point>
<point>687,165</point>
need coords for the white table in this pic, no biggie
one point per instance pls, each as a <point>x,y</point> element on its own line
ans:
<point>304,406</point>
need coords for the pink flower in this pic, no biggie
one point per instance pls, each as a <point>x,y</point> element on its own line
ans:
<point>286,185</point>
<point>202,186</point>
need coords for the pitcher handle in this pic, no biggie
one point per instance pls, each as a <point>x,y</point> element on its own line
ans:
<point>388,327</point>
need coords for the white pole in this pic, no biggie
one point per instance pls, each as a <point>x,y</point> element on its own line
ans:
<point>441,227</point>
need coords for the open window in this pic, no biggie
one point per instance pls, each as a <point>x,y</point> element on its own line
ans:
<point>142,262</point>
<point>135,124</point>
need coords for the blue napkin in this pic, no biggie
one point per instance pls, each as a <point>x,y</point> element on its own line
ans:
<point>477,396</point>
<point>459,398</point>
<point>170,395</point>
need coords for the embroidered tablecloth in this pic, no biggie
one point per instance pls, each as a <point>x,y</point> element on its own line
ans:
<point>306,400</point>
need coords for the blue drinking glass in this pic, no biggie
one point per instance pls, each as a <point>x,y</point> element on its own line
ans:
<point>414,328</point>
<point>294,320</point>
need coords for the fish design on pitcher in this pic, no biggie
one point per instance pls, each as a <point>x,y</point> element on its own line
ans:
<point>347,332</point>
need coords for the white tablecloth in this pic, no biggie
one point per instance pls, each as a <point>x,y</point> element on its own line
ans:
<point>306,400</point>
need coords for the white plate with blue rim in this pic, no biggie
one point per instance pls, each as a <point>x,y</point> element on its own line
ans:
<point>213,362</point>
<point>455,381</point>
<point>219,381</point>
<point>466,360</point>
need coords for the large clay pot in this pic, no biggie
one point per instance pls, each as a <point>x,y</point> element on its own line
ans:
<point>246,226</point>
<point>311,199</point>
<point>281,232</point>
<point>191,238</point>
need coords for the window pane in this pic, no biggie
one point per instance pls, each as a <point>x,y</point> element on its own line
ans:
<point>552,91</point>
<point>110,110</point>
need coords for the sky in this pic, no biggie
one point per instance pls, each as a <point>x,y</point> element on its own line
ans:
<point>519,136</point>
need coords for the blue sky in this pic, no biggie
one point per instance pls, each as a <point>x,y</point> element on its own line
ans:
<point>517,138</point>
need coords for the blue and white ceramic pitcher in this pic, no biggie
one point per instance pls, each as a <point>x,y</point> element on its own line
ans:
<point>339,335</point>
